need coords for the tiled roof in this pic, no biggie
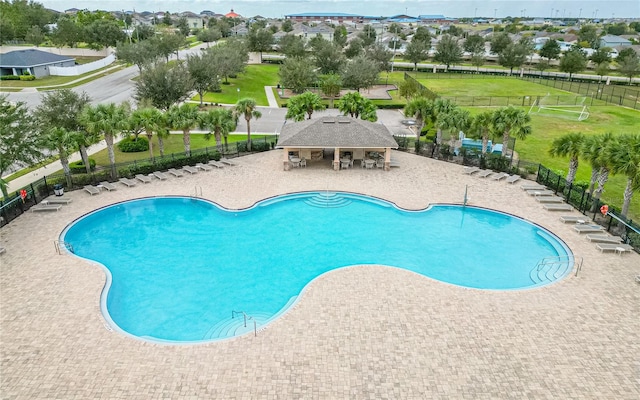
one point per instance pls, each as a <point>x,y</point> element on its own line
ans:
<point>30,58</point>
<point>336,131</point>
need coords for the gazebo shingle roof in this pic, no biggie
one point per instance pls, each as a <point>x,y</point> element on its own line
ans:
<point>337,131</point>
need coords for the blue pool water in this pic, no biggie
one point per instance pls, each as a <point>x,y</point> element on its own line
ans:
<point>180,266</point>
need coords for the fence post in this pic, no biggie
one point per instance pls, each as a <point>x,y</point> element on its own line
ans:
<point>46,185</point>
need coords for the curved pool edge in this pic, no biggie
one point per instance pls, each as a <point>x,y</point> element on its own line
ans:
<point>292,304</point>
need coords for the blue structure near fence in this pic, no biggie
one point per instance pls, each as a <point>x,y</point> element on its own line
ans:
<point>476,146</point>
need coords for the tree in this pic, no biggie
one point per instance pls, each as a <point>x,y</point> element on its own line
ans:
<point>164,85</point>
<point>354,48</point>
<point>443,120</point>
<point>368,35</point>
<point>67,33</point>
<point>356,106</point>
<point>260,40</point>
<point>142,54</point>
<point>328,58</point>
<point>542,65</point>
<point>63,142</point>
<point>247,108</point>
<point>512,56</point>
<point>568,145</point>
<point>477,60</point>
<point>510,121</point>
<point>183,117</point>
<point>106,120</point>
<point>229,58</point>
<point>499,42</point>
<point>62,109</point>
<point>380,55</point>
<point>573,61</point>
<point>481,124</point>
<point>292,46</point>
<point>617,29</point>
<point>589,34</point>
<point>287,26</point>
<point>203,74</point>
<point>220,121</point>
<point>550,49</point>
<point>330,86</point>
<point>422,33</point>
<point>168,43</point>
<point>629,66</point>
<point>360,73</point>
<point>474,44</point>
<point>297,74</point>
<point>183,26</point>
<point>448,51</point>
<point>166,19</point>
<point>590,152</point>
<point>601,55</point>
<point>624,53</point>
<point>602,69</point>
<point>35,36</point>
<point>103,33</point>
<point>19,141</point>
<point>416,52</point>
<point>151,120</point>
<point>624,154</point>
<point>601,144</point>
<point>422,110</point>
<point>303,104</point>
<point>340,36</point>
<point>143,32</point>
<point>455,31</point>
<point>209,35</point>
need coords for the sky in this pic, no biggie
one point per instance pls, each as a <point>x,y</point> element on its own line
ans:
<point>450,8</point>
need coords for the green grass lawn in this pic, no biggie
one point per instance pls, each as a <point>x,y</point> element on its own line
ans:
<point>485,86</point>
<point>61,80</point>
<point>251,84</point>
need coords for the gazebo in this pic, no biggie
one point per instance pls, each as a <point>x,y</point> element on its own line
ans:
<point>356,138</point>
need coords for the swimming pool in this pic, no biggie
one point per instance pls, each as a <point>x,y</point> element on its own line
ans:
<point>180,268</point>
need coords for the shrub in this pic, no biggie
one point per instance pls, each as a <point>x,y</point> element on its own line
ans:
<point>133,145</point>
<point>27,78</point>
<point>9,78</point>
<point>260,146</point>
<point>79,168</point>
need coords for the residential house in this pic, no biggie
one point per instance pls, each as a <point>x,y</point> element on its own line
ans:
<point>32,61</point>
<point>320,17</point>
<point>614,41</point>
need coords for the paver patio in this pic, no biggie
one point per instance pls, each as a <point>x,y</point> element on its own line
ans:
<point>360,333</point>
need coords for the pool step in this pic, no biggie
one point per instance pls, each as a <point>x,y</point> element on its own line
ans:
<point>327,200</point>
<point>549,272</point>
<point>231,327</point>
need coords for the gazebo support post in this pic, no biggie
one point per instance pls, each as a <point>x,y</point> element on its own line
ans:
<point>286,165</point>
<point>336,159</point>
<point>387,159</point>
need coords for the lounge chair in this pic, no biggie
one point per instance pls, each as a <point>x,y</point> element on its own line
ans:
<point>557,207</point>
<point>108,185</point>
<point>484,173</point>
<point>499,176</point>
<point>603,238</point>
<point>160,175</point>
<point>92,189</point>
<point>549,199</point>
<point>2,250</point>
<point>580,219</point>
<point>617,247</point>
<point>540,192</point>
<point>204,167</point>
<point>216,164</point>
<point>227,162</point>
<point>534,186</point>
<point>128,182</point>
<point>586,228</point>
<point>56,200</point>
<point>46,207</point>
<point>470,170</point>
<point>143,178</point>
<point>190,169</point>
<point>513,179</point>
<point>394,163</point>
<point>175,172</point>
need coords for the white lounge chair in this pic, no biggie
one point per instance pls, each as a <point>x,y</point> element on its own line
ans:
<point>617,247</point>
<point>534,186</point>
<point>143,178</point>
<point>216,164</point>
<point>204,167</point>
<point>543,192</point>
<point>470,170</point>
<point>499,176</point>
<point>92,189</point>
<point>56,200</point>
<point>175,172</point>
<point>513,179</point>
<point>557,207</point>
<point>586,228</point>
<point>108,185</point>
<point>603,238</point>
<point>484,173</point>
<point>190,169</point>
<point>46,207</point>
<point>128,182</point>
<point>549,199</point>
<point>573,219</point>
<point>227,162</point>
<point>160,175</point>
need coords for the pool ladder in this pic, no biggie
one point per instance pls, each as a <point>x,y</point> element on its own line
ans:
<point>59,245</point>
<point>246,318</point>
<point>197,191</point>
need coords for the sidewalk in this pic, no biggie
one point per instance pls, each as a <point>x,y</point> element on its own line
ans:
<point>84,78</point>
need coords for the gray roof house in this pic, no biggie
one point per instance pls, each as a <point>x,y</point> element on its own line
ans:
<point>35,62</point>
<point>613,41</point>
<point>347,137</point>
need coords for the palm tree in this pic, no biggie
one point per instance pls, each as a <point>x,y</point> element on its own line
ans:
<point>305,103</point>
<point>481,124</point>
<point>247,108</point>
<point>65,143</point>
<point>602,142</point>
<point>422,110</point>
<point>460,122</point>
<point>625,159</point>
<point>443,110</point>
<point>151,119</point>
<point>510,121</point>
<point>330,86</point>
<point>183,117</point>
<point>220,121</point>
<point>591,152</point>
<point>106,120</point>
<point>568,145</point>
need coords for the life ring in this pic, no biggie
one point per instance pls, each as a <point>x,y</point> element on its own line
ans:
<point>604,209</point>
<point>23,194</point>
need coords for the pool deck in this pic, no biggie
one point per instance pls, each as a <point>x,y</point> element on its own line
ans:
<point>358,333</point>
